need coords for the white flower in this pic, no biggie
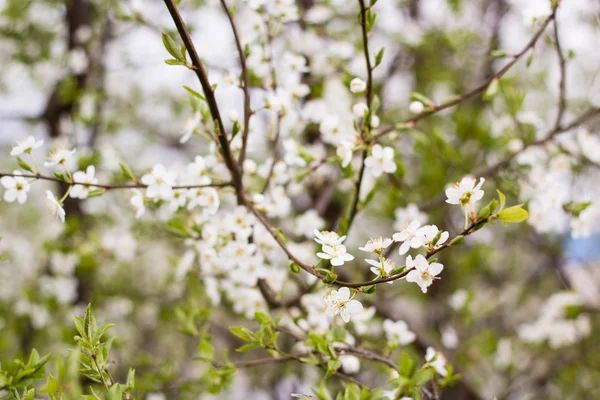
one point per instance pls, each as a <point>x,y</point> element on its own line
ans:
<point>375,121</point>
<point>292,155</point>
<point>87,178</point>
<point>209,199</point>
<point>398,332</point>
<point>416,107</point>
<point>16,188</point>
<point>465,192</point>
<point>189,126</point>
<point>381,268</point>
<point>337,254</point>
<point>376,246</point>
<point>344,152</point>
<point>59,156</point>
<point>329,238</point>
<point>234,116</point>
<point>26,146</point>
<point>357,85</point>
<point>423,273</point>
<point>350,364</point>
<point>54,207</point>
<point>359,110</point>
<point>436,360</point>
<point>410,237</point>
<point>429,233</point>
<point>137,201</point>
<point>160,183</point>
<point>338,302</point>
<point>381,160</point>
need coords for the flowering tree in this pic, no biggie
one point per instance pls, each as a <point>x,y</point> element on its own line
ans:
<point>270,213</point>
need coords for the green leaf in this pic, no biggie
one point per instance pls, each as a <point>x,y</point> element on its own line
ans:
<point>127,172</point>
<point>206,349</point>
<point>499,53</point>
<point>406,365</point>
<point>101,332</point>
<point>513,214</point>
<point>492,89</point>
<point>332,367</point>
<point>379,56</point>
<point>422,376</point>
<point>115,392</point>
<point>294,267</point>
<point>330,277</point>
<point>172,47</point>
<point>263,318</point>
<point>243,333</point>
<point>194,93</point>
<point>280,235</point>
<point>87,322</point>
<point>174,62</point>
<point>415,96</point>
<point>247,346</point>
<point>61,176</point>
<point>131,379</point>
<point>502,199</point>
<point>24,165</point>
<point>96,193</point>
<point>368,289</point>
<point>457,240</point>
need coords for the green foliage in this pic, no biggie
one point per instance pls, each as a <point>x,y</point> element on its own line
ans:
<point>21,375</point>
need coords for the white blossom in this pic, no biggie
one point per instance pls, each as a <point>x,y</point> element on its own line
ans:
<point>376,246</point>
<point>336,254</point>
<point>423,273</point>
<point>398,332</point>
<point>16,188</point>
<point>86,178</point>
<point>189,126</point>
<point>416,107</point>
<point>436,360</point>
<point>26,146</point>
<point>160,183</point>
<point>381,267</point>
<point>59,156</point>
<point>137,202</point>
<point>468,191</point>
<point>344,152</point>
<point>410,237</point>
<point>54,207</point>
<point>329,238</point>
<point>357,85</point>
<point>381,160</point>
<point>338,302</point>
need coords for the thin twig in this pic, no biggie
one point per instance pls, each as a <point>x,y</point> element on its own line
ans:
<point>208,94</point>
<point>245,82</point>
<point>365,134</point>
<point>476,91</point>
<point>562,86</point>
<point>109,186</point>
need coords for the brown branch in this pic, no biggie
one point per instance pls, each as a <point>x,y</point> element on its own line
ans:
<point>208,94</point>
<point>109,186</point>
<point>562,86</point>
<point>365,131</point>
<point>476,91</point>
<point>246,85</point>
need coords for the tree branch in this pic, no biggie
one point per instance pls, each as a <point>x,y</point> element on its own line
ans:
<point>246,85</point>
<point>476,91</point>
